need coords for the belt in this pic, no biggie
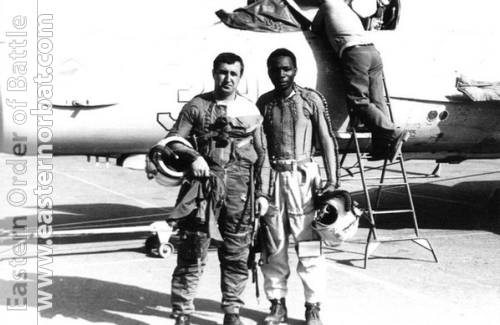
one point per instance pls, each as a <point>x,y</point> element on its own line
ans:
<point>358,45</point>
<point>348,46</point>
<point>288,165</point>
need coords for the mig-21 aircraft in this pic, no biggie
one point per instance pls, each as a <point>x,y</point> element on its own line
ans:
<point>116,70</point>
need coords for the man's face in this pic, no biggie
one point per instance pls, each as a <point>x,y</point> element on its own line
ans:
<point>226,79</point>
<point>282,72</point>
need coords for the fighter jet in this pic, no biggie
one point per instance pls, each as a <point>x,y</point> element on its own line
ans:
<point>116,72</point>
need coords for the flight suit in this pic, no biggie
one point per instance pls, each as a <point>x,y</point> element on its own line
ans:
<point>230,145</point>
<point>291,126</point>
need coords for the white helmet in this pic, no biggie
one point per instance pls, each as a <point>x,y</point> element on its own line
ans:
<point>170,169</point>
<point>338,219</point>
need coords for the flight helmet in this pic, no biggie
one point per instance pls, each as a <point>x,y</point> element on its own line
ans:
<point>170,169</point>
<point>338,218</point>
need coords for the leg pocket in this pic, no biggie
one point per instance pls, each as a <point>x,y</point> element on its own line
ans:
<point>193,245</point>
<point>275,229</point>
<point>235,246</point>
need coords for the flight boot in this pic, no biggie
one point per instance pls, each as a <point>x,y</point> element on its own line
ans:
<point>278,312</point>
<point>183,320</point>
<point>312,314</point>
<point>397,144</point>
<point>232,319</point>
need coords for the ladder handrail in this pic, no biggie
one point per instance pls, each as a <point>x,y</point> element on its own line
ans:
<point>372,241</point>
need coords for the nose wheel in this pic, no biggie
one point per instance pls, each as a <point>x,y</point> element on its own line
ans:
<point>158,242</point>
<point>165,250</point>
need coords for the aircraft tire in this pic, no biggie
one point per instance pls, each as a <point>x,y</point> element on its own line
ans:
<point>152,242</point>
<point>165,250</point>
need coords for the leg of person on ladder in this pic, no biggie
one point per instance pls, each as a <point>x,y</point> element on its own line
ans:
<point>394,156</point>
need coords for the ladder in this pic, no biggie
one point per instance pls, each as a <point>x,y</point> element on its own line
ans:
<point>373,240</point>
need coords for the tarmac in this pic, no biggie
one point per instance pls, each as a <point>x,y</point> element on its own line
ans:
<point>113,279</point>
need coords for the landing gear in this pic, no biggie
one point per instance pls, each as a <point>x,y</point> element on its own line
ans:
<point>158,241</point>
<point>152,242</point>
<point>437,171</point>
<point>165,250</point>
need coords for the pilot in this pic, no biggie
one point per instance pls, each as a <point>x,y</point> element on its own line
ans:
<point>363,73</point>
<point>294,118</point>
<point>228,145</point>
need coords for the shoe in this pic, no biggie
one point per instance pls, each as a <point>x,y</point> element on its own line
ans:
<point>396,145</point>
<point>232,319</point>
<point>183,320</point>
<point>380,150</point>
<point>312,314</point>
<point>278,312</point>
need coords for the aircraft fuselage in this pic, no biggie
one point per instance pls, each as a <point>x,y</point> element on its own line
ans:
<point>109,87</point>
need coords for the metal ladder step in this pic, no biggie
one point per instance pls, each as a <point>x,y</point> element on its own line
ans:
<point>373,241</point>
<point>392,211</point>
<point>386,184</point>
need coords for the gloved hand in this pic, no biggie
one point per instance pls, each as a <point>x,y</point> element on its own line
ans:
<point>328,188</point>
<point>261,206</point>
<point>200,168</point>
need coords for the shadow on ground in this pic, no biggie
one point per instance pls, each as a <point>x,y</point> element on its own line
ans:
<point>101,301</point>
<point>465,206</point>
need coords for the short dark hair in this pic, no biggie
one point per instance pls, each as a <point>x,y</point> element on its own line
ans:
<point>228,58</point>
<point>282,52</point>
